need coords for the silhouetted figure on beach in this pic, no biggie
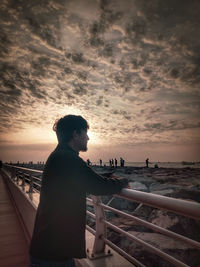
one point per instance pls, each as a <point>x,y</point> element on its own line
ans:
<point>1,164</point>
<point>115,162</point>
<point>112,163</point>
<point>100,161</point>
<point>147,163</point>
<point>59,230</point>
<point>122,162</point>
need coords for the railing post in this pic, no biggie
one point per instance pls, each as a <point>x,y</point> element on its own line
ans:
<point>17,175</point>
<point>13,173</point>
<point>23,181</point>
<point>30,191</point>
<point>99,244</point>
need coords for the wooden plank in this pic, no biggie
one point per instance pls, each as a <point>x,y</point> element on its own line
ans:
<point>13,245</point>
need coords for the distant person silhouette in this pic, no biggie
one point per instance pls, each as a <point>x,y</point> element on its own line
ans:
<point>147,163</point>
<point>100,161</point>
<point>59,230</point>
<point>112,163</point>
<point>1,164</point>
<point>115,162</point>
<point>122,162</point>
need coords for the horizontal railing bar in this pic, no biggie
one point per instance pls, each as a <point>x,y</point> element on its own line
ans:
<point>90,229</point>
<point>37,191</point>
<point>89,200</point>
<point>37,184</point>
<point>183,207</point>
<point>91,214</point>
<point>25,169</point>
<point>36,178</point>
<point>153,226</point>
<point>122,252</point>
<point>148,246</point>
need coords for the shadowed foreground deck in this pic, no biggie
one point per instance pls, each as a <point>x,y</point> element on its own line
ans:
<point>13,245</point>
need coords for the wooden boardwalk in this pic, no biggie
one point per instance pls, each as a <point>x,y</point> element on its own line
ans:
<point>13,245</point>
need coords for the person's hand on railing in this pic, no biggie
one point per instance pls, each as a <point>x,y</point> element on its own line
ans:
<point>124,180</point>
<point>128,186</point>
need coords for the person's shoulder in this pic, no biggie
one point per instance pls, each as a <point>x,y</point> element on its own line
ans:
<point>59,159</point>
<point>61,154</point>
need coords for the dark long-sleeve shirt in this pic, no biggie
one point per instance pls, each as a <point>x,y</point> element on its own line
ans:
<point>59,231</point>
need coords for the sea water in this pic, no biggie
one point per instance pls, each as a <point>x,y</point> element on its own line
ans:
<point>160,164</point>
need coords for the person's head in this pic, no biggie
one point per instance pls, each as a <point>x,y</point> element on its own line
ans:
<point>72,130</point>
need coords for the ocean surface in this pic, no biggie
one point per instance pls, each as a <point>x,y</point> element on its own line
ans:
<point>182,164</point>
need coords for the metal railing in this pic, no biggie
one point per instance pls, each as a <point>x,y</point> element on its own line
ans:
<point>185,208</point>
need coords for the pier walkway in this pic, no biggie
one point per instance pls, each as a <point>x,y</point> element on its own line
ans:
<point>13,244</point>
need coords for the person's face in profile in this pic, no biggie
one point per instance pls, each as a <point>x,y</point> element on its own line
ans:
<point>81,140</point>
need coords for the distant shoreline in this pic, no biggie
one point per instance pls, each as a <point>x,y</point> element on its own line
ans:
<point>136,165</point>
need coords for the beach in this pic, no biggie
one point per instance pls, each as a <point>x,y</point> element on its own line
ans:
<point>181,183</point>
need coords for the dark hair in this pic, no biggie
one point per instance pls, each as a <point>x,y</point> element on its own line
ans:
<point>65,127</point>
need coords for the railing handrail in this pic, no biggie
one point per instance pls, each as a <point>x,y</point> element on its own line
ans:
<point>24,169</point>
<point>184,207</point>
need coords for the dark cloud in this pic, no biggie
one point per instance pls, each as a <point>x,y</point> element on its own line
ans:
<point>176,23</point>
<point>170,125</point>
<point>136,28</point>
<point>123,113</point>
<point>82,75</point>
<point>36,92</point>
<point>67,70</point>
<point>4,44</point>
<point>79,89</point>
<point>99,101</point>
<point>107,51</point>
<point>78,58</point>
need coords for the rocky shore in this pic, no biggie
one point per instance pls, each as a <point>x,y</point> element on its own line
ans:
<point>181,183</point>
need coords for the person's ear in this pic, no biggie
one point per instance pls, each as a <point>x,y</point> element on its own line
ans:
<point>75,135</point>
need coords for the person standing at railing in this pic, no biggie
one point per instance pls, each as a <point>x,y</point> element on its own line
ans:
<point>59,231</point>
<point>147,163</point>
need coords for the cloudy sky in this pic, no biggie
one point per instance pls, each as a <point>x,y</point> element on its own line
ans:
<point>131,68</point>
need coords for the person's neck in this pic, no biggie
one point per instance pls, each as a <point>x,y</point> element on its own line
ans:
<point>73,146</point>
<point>70,145</point>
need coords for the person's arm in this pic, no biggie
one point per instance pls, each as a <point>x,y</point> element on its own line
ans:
<point>96,184</point>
